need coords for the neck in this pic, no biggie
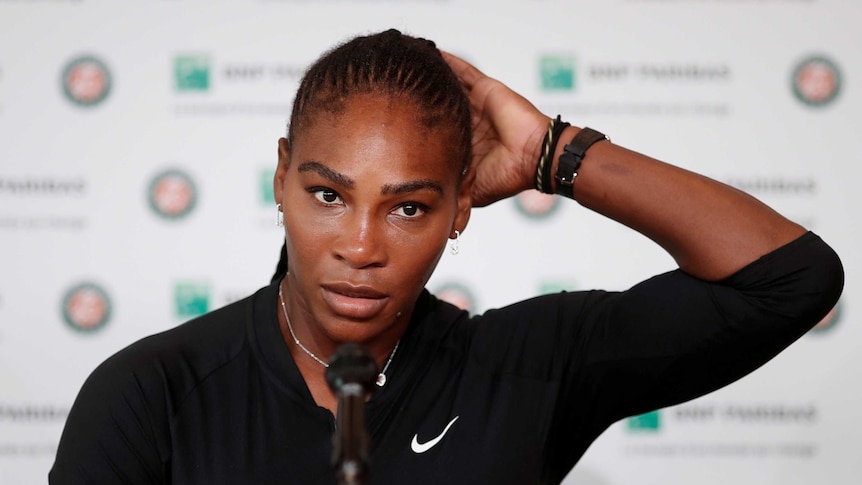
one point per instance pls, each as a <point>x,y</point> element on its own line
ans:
<point>293,315</point>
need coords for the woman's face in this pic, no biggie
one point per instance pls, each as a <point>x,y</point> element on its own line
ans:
<point>370,196</point>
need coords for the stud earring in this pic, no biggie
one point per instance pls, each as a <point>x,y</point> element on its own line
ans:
<point>455,245</point>
<point>279,216</point>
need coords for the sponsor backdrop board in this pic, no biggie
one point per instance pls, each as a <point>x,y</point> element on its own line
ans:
<point>138,142</point>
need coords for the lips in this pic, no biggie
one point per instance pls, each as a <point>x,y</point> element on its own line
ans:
<point>354,301</point>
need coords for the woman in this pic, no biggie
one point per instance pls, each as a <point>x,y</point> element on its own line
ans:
<point>383,160</point>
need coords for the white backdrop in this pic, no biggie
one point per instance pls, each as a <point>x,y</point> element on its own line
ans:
<point>138,139</point>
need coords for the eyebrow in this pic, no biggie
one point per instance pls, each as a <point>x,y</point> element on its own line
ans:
<point>387,189</point>
<point>327,173</point>
<point>412,186</point>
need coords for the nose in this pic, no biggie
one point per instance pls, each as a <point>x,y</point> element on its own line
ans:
<point>360,242</point>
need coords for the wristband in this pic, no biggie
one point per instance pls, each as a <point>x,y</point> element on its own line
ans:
<point>570,159</point>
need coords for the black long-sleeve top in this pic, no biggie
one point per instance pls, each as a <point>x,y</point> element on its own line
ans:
<point>514,396</point>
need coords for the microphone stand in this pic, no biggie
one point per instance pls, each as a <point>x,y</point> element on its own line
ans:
<point>351,375</point>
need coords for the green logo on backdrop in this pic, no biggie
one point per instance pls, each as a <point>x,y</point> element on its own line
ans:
<point>548,287</point>
<point>648,422</point>
<point>192,72</point>
<point>557,72</point>
<point>267,196</point>
<point>191,299</point>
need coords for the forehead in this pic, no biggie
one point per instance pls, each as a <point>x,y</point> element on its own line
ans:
<point>378,133</point>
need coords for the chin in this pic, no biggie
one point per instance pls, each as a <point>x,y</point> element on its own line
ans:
<point>352,331</point>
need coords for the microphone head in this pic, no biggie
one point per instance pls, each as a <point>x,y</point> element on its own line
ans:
<point>351,363</point>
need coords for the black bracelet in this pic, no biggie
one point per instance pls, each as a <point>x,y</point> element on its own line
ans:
<point>549,146</point>
<point>570,159</point>
<point>549,164</point>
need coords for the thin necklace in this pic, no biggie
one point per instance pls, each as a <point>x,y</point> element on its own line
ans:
<point>381,377</point>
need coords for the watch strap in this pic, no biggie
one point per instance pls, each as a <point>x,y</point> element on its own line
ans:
<point>571,158</point>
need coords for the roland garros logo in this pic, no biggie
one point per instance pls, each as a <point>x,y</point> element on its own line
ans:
<point>816,81</point>
<point>536,205</point>
<point>86,307</point>
<point>828,322</point>
<point>458,295</point>
<point>172,194</point>
<point>86,81</point>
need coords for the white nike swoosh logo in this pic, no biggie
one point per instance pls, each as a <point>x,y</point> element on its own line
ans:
<point>423,447</point>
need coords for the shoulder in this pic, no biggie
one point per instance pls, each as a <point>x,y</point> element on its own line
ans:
<point>120,424</point>
<point>166,366</point>
<point>542,317</point>
<point>528,337</point>
<point>202,342</point>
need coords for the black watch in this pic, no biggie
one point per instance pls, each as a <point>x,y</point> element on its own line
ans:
<point>570,159</point>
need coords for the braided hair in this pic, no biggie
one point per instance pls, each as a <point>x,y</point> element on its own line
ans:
<point>387,63</point>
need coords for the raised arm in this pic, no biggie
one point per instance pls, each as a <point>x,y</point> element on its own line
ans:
<point>712,230</point>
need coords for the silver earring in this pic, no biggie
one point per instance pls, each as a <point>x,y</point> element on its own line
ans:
<point>455,246</point>
<point>279,216</point>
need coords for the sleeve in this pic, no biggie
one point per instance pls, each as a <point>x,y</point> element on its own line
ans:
<point>674,337</point>
<point>667,340</point>
<point>116,429</point>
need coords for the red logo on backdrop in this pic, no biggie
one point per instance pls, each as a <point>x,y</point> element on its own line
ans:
<point>86,307</point>
<point>828,322</point>
<point>86,81</point>
<point>172,194</point>
<point>457,295</point>
<point>816,81</point>
<point>536,205</point>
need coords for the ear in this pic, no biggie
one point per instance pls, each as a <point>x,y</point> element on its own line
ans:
<point>465,203</point>
<point>281,170</point>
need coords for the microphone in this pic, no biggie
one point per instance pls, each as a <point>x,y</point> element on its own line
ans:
<point>351,375</point>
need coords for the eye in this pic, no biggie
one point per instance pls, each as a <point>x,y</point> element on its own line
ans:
<point>410,210</point>
<point>324,195</point>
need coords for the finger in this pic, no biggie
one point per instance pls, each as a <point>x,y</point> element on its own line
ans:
<point>465,71</point>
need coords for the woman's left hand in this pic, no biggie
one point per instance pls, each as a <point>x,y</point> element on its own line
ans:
<point>507,135</point>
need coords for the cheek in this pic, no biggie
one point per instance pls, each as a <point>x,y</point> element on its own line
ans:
<point>418,255</point>
<point>305,234</point>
